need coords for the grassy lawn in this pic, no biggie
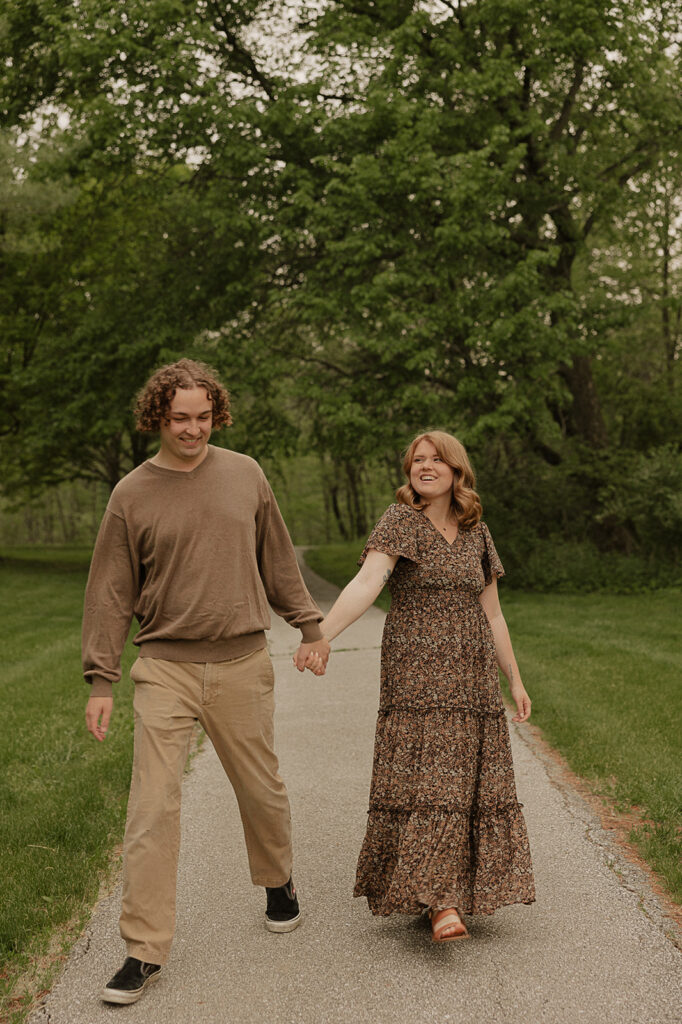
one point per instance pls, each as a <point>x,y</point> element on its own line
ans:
<point>604,673</point>
<point>62,795</point>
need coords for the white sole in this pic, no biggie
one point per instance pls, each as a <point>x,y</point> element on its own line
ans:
<point>123,998</point>
<point>283,926</point>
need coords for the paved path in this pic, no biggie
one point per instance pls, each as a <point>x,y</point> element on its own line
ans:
<point>593,948</point>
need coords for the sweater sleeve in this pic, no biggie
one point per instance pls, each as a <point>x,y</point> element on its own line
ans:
<point>279,571</point>
<point>110,596</point>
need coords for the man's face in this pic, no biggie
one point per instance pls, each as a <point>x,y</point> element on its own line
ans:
<point>186,432</point>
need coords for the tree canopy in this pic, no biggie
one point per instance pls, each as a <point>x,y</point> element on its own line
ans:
<point>373,218</point>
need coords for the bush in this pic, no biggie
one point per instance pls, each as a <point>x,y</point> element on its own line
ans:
<point>646,497</point>
<point>559,566</point>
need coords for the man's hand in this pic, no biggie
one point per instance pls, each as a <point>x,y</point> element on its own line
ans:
<point>97,714</point>
<point>313,656</point>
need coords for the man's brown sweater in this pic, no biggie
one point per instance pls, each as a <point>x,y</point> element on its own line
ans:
<point>195,557</point>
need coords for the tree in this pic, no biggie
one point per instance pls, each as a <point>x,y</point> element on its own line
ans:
<point>472,154</point>
<point>412,223</point>
<point>469,157</point>
<point>165,231</point>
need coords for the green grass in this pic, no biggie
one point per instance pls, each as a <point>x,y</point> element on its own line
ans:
<point>62,795</point>
<point>604,675</point>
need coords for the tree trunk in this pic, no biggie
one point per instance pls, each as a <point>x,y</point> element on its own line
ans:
<point>355,501</point>
<point>584,418</point>
<point>670,326</point>
<point>338,515</point>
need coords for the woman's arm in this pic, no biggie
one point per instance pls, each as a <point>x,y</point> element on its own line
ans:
<point>504,651</point>
<point>359,594</point>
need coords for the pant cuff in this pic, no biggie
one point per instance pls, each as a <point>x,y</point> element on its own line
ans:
<point>148,954</point>
<point>271,883</point>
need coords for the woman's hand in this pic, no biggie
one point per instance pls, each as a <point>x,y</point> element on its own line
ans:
<point>522,701</point>
<point>314,663</point>
<point>313,656</point>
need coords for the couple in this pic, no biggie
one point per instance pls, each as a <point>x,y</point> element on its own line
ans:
<point>192,544</point>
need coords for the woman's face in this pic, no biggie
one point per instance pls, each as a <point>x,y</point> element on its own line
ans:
<point>430,476</point>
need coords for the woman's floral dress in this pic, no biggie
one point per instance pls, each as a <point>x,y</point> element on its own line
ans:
<point>445,827</point>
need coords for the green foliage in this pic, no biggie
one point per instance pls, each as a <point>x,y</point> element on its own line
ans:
<point>391,217</point>
<point>647,496</point>
<point>555,565</point>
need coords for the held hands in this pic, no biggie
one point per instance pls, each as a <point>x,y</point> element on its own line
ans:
<point>313,656</point>
<point>97,714</point>
<point>522,701</point>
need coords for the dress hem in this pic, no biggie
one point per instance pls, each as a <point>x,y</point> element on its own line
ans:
<point>418,906</point>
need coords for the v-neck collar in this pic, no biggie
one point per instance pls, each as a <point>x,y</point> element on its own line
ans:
<point>450,544</point>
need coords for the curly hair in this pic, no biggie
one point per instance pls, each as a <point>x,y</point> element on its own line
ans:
<point>154,400</point>
<point>465,502</point>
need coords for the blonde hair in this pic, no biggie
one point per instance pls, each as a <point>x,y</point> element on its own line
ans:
<point>465,502</point>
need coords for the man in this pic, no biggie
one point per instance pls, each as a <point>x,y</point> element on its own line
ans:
<point>193,545</point>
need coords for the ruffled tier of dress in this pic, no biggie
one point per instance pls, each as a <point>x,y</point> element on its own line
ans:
<point>445,827</point>
<point>411,860</point>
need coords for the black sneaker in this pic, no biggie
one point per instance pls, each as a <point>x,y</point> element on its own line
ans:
<point>283,913</point>
<point>128,984</point>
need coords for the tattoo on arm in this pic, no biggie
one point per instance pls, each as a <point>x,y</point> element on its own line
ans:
<point>386,575</point>
<point>511,673</point>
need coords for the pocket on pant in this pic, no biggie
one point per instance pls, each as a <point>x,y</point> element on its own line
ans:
<point>142,671</point>
<point>255,678</point>
<point>267,671</point>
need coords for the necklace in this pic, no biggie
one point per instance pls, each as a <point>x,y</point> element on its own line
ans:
<point>447,525</point>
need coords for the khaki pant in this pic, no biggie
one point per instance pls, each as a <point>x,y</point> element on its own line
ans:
<point>234,703</point>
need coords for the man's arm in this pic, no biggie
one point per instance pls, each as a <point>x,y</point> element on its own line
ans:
<point>109,601</point>
<point>282,580</point>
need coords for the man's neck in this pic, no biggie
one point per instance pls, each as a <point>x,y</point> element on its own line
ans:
<point>164,460</point>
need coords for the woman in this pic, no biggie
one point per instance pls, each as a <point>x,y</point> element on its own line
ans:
<point>445,830</point>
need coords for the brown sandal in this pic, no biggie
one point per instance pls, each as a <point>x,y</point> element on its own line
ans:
<point>448,918</point>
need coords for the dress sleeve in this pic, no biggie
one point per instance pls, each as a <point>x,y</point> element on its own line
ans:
<point>394,534</point>
<point>492,566</point>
